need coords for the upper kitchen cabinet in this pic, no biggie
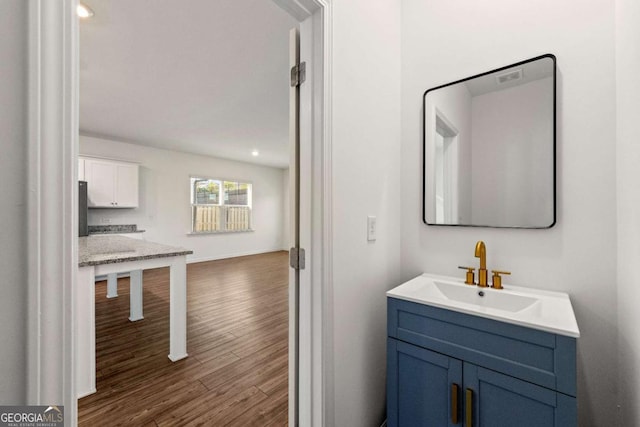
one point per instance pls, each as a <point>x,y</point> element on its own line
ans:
<point>111,184</point>
<point>80,169</point>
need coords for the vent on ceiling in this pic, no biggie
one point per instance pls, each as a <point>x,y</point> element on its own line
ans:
<point>510,76</point>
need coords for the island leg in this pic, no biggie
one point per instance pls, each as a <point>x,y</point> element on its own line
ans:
<point>178,309</point>
<point>112,285</point>
<point>135,295</point>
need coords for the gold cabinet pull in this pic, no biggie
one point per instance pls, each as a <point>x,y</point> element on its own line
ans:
<point>454,403</point>
<point>469,409</point>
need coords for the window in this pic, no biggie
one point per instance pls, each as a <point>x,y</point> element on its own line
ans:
<point>220,206</point>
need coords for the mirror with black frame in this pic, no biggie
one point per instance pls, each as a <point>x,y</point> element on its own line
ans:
<point>489,148</point>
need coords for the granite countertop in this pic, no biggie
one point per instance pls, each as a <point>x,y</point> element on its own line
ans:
<point>110,249</point>
<point>114,229</point>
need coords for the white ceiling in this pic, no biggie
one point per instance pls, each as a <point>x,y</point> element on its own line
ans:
<point>200,76</point>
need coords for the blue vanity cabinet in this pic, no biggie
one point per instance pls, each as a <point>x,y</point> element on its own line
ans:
<point>421,385</point>
<point>499,400</point>
<point>446,368</point>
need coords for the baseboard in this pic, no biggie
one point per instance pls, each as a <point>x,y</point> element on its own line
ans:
<point>234,255</point>
<point>85,394</point>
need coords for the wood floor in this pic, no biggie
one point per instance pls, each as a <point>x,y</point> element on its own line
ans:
<point>236,372</point>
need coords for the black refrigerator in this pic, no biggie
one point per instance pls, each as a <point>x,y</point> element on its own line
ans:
<point>83,210</point>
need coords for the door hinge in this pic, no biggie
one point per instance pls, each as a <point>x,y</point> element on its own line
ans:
<point>298,74</point>
<point>296,258</point>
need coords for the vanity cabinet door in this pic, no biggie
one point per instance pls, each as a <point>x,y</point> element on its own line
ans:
<point>421,387</point>
<point>499,400</point>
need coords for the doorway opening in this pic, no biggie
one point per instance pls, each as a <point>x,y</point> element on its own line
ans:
<point>446,170</point>
<point>166,93</point>
<point>53,250</point>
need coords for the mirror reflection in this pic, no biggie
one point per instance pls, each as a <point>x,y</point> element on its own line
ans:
<point>489,148</point>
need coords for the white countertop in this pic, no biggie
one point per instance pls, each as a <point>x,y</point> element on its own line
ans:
<point>538,309</point>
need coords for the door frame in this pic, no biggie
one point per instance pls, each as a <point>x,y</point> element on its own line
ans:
<point>52,214</point>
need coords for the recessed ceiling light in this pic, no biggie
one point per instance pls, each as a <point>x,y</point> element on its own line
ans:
<point>84,11</point>
<point>255,153</point>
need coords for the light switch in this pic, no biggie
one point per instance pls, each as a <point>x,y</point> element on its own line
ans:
<point>372,228</point>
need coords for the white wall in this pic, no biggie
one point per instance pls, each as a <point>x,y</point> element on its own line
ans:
<point>13,192</point>
<point>445,40</point>
<point>506,160</point>
<point>366,181</point>
<point>628,156</point>
<point>165,211</point>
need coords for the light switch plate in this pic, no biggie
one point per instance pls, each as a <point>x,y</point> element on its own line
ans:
<point>372,228</point>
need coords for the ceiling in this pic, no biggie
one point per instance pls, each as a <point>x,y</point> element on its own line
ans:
<point>199,76</point>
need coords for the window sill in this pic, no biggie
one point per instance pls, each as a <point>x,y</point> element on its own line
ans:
<point>207,233</point>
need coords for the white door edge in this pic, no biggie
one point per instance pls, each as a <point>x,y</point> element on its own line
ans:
<point>315,403</point>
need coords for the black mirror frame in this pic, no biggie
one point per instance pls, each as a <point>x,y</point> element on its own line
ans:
<point>424,171</point>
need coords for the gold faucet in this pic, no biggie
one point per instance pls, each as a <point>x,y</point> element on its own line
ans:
<point>497,280</point>
<point>481,252</point>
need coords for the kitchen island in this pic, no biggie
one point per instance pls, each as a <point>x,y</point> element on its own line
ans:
<point>128,230</point>
<point>107,254</point>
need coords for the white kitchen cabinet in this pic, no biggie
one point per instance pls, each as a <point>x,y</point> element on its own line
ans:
<point>111,184</point>
<point>80,169</point>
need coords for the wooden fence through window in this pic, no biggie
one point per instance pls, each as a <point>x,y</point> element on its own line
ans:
<point>221,218</point>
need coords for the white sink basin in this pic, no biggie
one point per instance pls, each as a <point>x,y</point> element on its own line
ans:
<point>538,309</point>
<point>478,296</point>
